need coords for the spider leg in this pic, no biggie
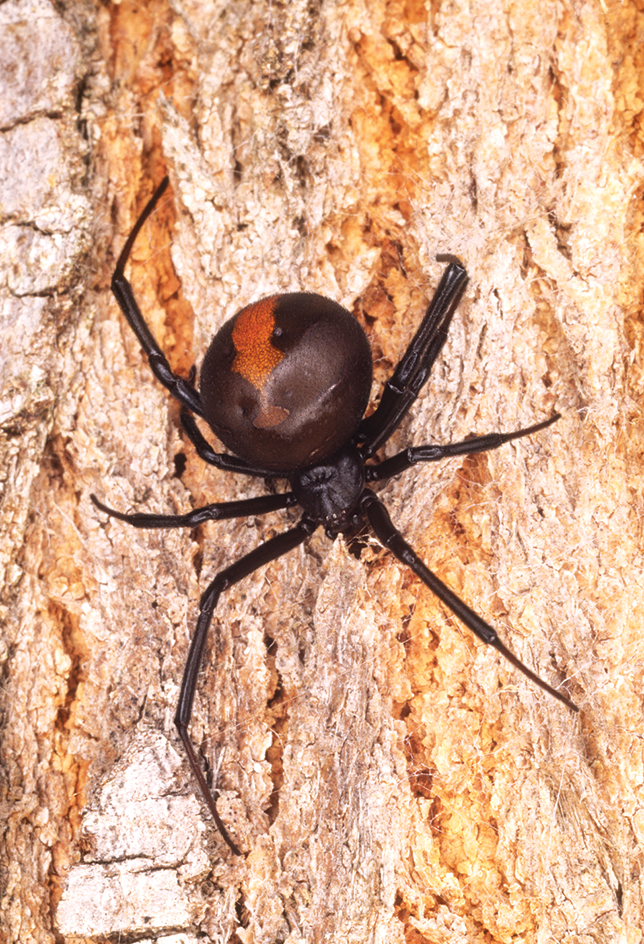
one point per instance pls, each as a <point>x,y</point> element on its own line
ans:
<point>413,369</point>
<point>181,389</point>
<point>221,460</point>
<point>269,551</point>
<point>408,457</point>
<point>217,511</point>
<point>393,540</point>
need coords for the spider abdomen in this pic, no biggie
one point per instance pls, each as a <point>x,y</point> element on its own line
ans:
<point>285,382</point>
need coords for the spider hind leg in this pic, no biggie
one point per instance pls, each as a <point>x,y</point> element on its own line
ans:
<point>415,365</point>
<point>264,554</point>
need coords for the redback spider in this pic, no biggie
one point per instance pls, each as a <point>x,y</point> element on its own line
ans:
<point>284,385</point>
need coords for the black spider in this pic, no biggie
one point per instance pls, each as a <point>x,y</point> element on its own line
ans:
<point>284,385</point>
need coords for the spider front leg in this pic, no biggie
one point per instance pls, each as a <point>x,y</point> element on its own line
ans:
<point>392,539</point>
<point>246,565</point>
<point>269,551</point>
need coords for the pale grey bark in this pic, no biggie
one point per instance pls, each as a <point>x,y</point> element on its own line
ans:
<point>390,779</point>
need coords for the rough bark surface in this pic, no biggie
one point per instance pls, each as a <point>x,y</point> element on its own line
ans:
<point>389,779</point>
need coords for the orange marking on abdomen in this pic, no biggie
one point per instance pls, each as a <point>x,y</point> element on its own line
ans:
<point>256,358</point>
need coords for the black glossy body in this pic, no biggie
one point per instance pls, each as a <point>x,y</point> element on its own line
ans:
<point>287,393</point>
<point>330,491</point>
<point>286,380</point>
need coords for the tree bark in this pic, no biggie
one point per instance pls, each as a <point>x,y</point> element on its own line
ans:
<point>388,778</point>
